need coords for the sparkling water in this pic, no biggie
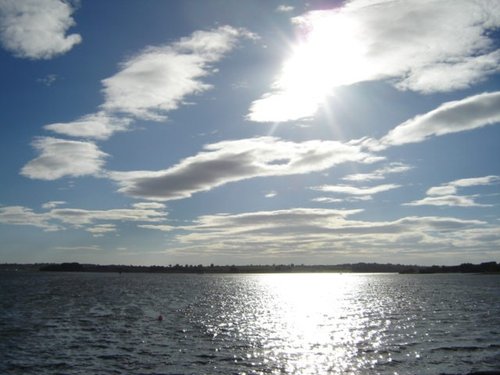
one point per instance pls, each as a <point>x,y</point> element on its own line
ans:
<point>104,323</point>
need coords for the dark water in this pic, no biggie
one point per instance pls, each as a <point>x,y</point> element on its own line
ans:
<point>248,324</point>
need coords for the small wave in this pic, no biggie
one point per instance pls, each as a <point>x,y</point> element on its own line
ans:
<point>476,373</point>
<point>464,348</point>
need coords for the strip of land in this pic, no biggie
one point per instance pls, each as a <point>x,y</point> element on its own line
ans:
<point>486,267</point>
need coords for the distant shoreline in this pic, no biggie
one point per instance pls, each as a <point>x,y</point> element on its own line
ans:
<point>485,267</point>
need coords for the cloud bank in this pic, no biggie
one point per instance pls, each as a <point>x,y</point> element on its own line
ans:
<point>302,233</point>
<point>90,220</point>
<point>36,29</point>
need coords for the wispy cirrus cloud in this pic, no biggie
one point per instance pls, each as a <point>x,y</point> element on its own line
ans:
<point>271,194</point>
<point>52,204</point>
<point>447,200</point>
<point>36,29</point>
<point>19,215</point>
<point>78,249</point>
<point>237,160</point>
<point>436,45</point>
<point>446,194</point>
<point>249,221</point>
<point>81,217</point>
<point>59,158</point>
<point>48,80</point>
<point>474,181</point>
<point>94,221</point>
<point>378,174</point>
<point>326,200</point>
<point>101,229</point>
<point>353,190</point>
<point>327,221</point>
<point>284,8</point>
<point>160,227</point>
<point>149,206</point>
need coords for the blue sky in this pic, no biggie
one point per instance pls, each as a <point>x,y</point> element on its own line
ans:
<point>256,132</point>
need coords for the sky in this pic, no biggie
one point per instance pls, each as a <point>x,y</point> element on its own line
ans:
<point>250,132</point>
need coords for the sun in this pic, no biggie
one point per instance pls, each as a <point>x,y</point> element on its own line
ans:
<point>329,54</point>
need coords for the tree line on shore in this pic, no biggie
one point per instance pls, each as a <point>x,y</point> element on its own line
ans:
<point>486,267</point>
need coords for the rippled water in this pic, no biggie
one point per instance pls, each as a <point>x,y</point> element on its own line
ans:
<point>81,323</point>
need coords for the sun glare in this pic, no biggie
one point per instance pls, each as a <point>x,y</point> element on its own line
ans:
<point>330,54</point>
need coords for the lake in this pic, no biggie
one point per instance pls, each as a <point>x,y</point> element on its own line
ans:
<point>104,323</point>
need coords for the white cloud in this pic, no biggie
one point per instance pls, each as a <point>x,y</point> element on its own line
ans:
<point>446,194</point>
<point>149,205</point>
<point>436,45</point>
<point>451,187</point>
<point>90,220</point>
<point>380,173</point>
<point>447,200</point>
<point>153,82</point>
<point>230,161</point>
<point>78,217</point>
<point>160,227</point>
<point>18,215</point>
<point>59,158</point>
<point>352,190</point>
<point>265,221</point>
<point>442,190</point>
<point>284,8</point>
<point>98,126</point>
<point>446,76</point>
<point>451,117</point>
<point>52,204</point>
<point>271,194</point>
<point>158,79</point>
<point>327,200</point>
<point>78,248</point>
<point>475,181</point>
<point>101,229</point>
<point>36,29</point>
<point>293,232</point>
<point>325,234</point>
<point>48,80</point>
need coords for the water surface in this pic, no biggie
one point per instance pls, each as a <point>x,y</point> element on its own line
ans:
<point>85,323</point>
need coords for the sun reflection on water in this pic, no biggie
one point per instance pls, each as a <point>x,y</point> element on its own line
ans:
<point>316,329</point>
<point>316,323</point>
